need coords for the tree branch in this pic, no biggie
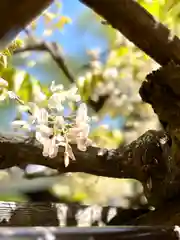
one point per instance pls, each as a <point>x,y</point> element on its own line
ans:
<point>144,159</point>
<point>140,27</point>
<point>101,162</point>
<point>16,15</point>
<point>55,53</point>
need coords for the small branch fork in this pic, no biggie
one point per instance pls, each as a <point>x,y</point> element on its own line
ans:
<point>55,53</point>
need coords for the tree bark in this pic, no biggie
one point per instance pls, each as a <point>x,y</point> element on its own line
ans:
<point>140,27</point>
<point>145,159</point>
<point>16,15</point>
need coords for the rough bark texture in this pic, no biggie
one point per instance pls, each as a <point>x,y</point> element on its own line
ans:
<point>144,159</point>
<point>140,27</point>
<point>16,15</point>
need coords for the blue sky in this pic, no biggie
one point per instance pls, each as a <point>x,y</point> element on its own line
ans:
<point>70,39</point>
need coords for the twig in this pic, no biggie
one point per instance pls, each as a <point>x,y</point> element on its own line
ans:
<point>55,53</point>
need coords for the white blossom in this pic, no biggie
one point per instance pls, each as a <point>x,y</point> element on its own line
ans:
<point>68,153</point>
<point>66,159</point>
<point>50,147</point>
<point>56,88</point>
<point>40,97</point>
<point>24,125</point>
<point>73,95</point>
<point>12,95</point>
<point>58,98</point>
<point>18,123</point>
<point>110,73</point>
<point>52,129</point>
<point>81,81</point>
<point>56,101</point>
<point>44,134</point>
<point>43,131</point>
<point>59,121</point>
<point>79,132</point>
<point>3,83</point>
<point>40,114</point>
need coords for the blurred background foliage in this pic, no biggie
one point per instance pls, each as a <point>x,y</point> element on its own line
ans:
<point>105,66</point>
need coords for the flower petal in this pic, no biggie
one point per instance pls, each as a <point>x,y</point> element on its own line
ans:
<point>55,101</point>
<point>81,115</point>
<point>45,130</point>
<point>59,121</point>
<point>70,152</point>
<point>46,146</point>
<point>66,159</point>
<point>53,149</point>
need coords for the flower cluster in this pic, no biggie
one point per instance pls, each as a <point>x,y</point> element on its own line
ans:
<point>52,129</point>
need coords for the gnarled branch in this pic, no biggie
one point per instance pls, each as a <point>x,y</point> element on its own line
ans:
<point>145,159</point>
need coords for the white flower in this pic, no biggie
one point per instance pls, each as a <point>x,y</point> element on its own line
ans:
<point>81,115</point>
<point>50,147</point>
<point>110,73</point>
<point>72,94</point>
<point>52,130</point>
<point>56,101</point>
<point>18,123</point>
<point>3,83</point>
<point>56,88</point>
<point>68,153</point>
<point>59,121</point>
<point>96,65</point>
<point>43,131</point>
<point>21,124</point>
<point>12,95</point>
<point>60,140</point>
<point>39,97</point>
<point>39,114</point>
<point>66,159</point>
<point>80,131</point>
<point>81,81</point>
<point>44,134</point>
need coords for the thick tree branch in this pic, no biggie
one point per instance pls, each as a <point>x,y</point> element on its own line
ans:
<point>140,27</point>
<point>144,159</point>
<point>123,162</point>
<point>16,15</point>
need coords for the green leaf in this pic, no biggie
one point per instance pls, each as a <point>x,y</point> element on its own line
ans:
<point>25,91</point>
<point>8,74</point>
